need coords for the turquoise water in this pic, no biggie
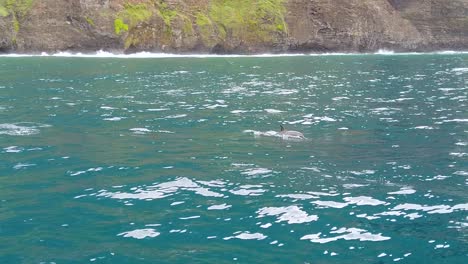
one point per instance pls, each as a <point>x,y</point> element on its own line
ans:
<point>179,160</point>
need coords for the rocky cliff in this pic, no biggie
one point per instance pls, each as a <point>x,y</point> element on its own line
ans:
<point>232,26</point>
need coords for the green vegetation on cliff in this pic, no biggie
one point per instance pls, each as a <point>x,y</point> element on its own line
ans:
<point>206,28</point>
<point>3,11</point>
<point>131,16</point>
<point>251,21</point>
<point>90,21</point>
<point>166,13</point>
<point>17,9</point>
<point>119,26</point>
<point>226,22</point>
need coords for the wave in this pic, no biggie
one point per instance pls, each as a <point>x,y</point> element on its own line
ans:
<point>441,52</point>
<point>105,54</point>
<point>148,55</point>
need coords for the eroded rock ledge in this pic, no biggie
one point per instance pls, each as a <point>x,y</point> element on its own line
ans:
<point>232,26</point>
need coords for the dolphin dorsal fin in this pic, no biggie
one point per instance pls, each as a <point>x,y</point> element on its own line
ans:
<point>281,128</point>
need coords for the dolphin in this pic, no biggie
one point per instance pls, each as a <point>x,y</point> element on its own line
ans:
<point>291,133</point>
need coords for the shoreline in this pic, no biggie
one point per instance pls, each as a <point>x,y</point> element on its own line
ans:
<point>149,55</point>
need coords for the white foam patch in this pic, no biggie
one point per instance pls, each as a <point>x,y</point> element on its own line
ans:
<point>413,216</point>
<point>323,193</point>
<point>235,89</point>
<point>247,236</point>
<point>116,118</point>
<point>82,172</point>
<point>219,207</point>
<point>175,116</point>
<point>363,200</point>
<point>298,196</point>
<point>348,234</point>
<point>461,173</point>
<point>353,185</point>
<point>239,111</point>
<point>256,171</point>
<point>459,154</point>
<point>140,233</point>
<point>424,127</point>
<point>138,130</point>
<point>165,131</point>
<point>149,55</point>
<point>282,91</point>
<point>213,183</point>
<point>315,169</point>
<point>363,172</point>
<point>330,204</point>
<point>157,109</point>
<point>437,177</point>
<point>76,173</point>
<point>291,214</point>
<point>325,119</point>
<point>368,217</point>
<point>434,209</point>
<point>13,149</point>
<point>178,231</point>
<point>273,111</point>
<point>23,165</point>
<point>189,217</point>
<point>457,120</point>
<point>391,213</point>
<point>405,190</point>
<point>215,106</point>
<point>248,190</point>
<point>21,129</point>
<point>319,118</point>
<point>161,190</point>
<point>107,107</point>
<point>439,246</point>
<point>460,69</point>
<point>339,98</point>
<point>153,225</point>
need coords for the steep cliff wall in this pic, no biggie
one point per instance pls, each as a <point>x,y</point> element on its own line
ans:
<point>232,26</point>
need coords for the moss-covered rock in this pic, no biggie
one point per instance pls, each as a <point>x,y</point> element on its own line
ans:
<point>252,21</point>
<point>206,28</point>
<point>4,11</point>
<point>17,9</point>
<point>90,21</point>
<point>166,13</point>
<point>120,26</point>
<point>241,22</point>
<point>131,16</point>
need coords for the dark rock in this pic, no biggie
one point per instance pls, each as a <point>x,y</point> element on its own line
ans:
<point>185,26</point>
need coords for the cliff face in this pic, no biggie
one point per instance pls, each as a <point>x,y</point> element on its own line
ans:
<point>232,26</point>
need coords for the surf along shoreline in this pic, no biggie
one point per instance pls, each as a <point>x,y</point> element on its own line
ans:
<point>106,54</point>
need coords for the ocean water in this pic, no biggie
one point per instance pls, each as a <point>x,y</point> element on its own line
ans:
<point>180,159</point>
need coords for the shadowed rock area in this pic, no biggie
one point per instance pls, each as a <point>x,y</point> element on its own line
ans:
<point>234,26</point>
